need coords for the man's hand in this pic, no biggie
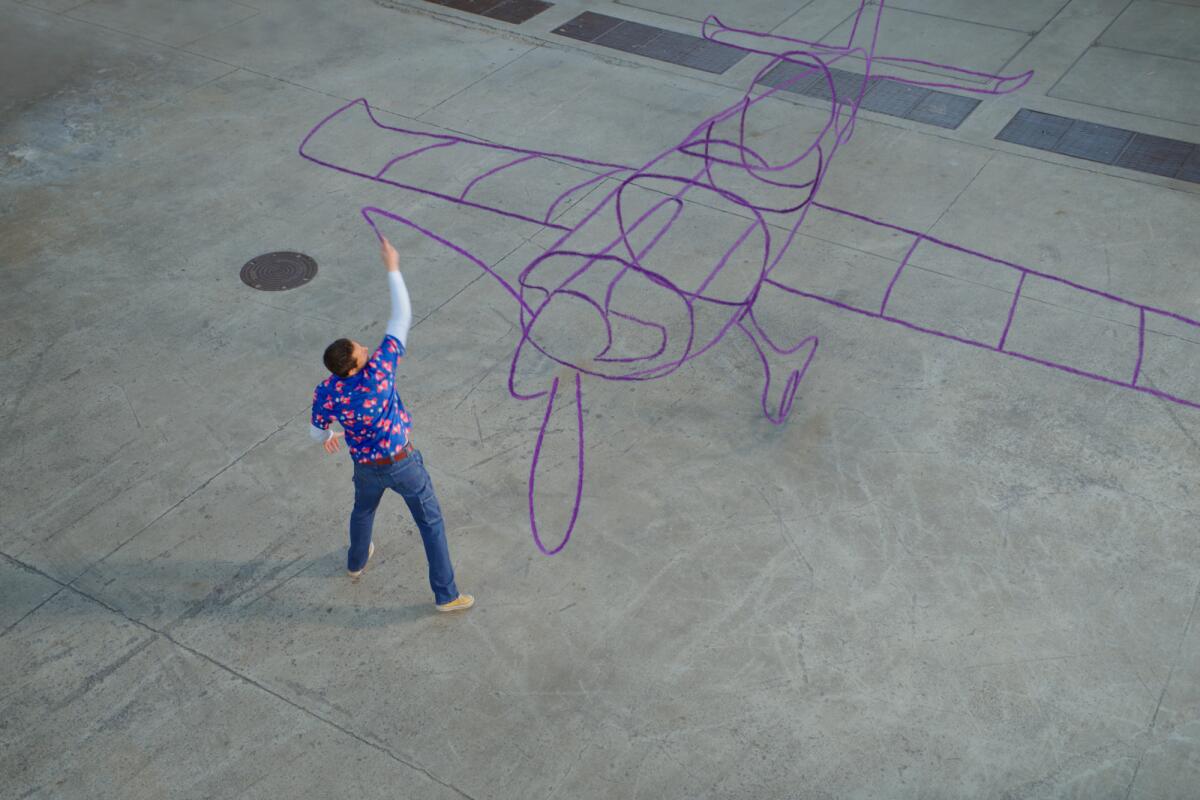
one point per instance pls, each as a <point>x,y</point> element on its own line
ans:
<point>391,259</point>
<point>331,444</point>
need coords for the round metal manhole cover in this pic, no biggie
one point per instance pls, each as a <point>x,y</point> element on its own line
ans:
<point>274,272</point>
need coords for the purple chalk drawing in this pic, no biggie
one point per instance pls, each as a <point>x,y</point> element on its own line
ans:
<point>612,260</point>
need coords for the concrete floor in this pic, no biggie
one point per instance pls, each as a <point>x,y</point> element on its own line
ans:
<point>951,574</point>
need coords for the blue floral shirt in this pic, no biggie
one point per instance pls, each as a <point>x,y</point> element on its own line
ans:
<point>367,406</point>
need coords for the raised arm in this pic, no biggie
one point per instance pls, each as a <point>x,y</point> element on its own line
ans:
<point>401,318</point>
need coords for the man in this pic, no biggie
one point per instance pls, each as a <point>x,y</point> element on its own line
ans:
<point>361,396</point>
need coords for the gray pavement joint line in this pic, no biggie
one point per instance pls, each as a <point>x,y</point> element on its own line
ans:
<point>789,17</point>
<point>1057,14</point>
<point>244,678</point>
<point>1125,111</point>
<point>474,280</point>
<point>473,83</point>
<point>1175,659</point>
<point>314,562</point>
<point>28,613</point>
<point>184,499</point>
<point>66,15</point>
<point>656,12</point>
<point>1106,46</point>
<point>849,17</point>
<point>946,210</point>
<point>1017,52</point>
<point>1136,768</point>
<point>1028,33</point>
<point>197,87</point>
<point>698,21</point>
<point>183,49</point>
<point>1085,50</point>
<point>1166,685</point>
<point>223,28</point>
<point>62,12</point>
<point>233,67</point>
<point>1174,418</point>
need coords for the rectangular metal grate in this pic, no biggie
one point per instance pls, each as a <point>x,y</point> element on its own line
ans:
<point>1190,171</point>
<point>1093,142</point>
<point>943,109</point>
<point>1105,144</point>
<point>893,99</point>
<point>515,11</point>
<point>646,40</point>
<point>669,46</point>
<point>1035,129</point>
<point>470,6</point>
<point>800,77</point>
<point>587,26</point>
<point>1155,155</point>
<point>712,57</point>
<point>881,96</point>
<point>846,84</point>
<point>627,37</point>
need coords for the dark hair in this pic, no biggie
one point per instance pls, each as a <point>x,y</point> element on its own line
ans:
<point>339,357</point>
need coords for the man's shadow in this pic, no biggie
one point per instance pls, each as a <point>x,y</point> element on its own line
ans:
<point>167,594</point>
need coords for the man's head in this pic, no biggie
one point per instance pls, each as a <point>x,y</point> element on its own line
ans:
<point>345,357</point>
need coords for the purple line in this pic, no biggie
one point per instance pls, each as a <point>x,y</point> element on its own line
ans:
<point>490,173</point>
<point>1137,368</point>
<point>722,170</point>
<point>1012,310</point>
<point>807,48</point>
<point>984,346</point>
<point>887,295</point>
<point>1018,267</point>
<point>405,156</point>
<point>432,193</point>
<point>577,187</point>
<point>537,453</point>
<point>369,210</point>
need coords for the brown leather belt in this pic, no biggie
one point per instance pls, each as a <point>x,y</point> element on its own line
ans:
<point>404,453</point>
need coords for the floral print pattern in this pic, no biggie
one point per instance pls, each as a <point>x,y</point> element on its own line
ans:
<point>367,406</point>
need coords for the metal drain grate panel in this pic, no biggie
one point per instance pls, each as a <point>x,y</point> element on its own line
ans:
<point>893,99</point>
<point>514,11</point>
<point>1141,152</point>
<point>1155,155</point>
<point>1093,142</point>
<point>660,44</point>
<point>943,109</point>
<point>882,96</point>
<point>1035,129</point>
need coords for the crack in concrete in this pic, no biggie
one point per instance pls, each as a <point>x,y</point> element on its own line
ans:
<point>183,500</point>
<point>92,680</point>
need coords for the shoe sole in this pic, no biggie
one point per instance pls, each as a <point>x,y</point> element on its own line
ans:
<point>447,610</point>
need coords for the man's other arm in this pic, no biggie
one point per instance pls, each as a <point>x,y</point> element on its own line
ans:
<point>320,427</point>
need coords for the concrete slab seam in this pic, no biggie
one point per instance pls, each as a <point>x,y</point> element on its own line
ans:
<point>384,749</point>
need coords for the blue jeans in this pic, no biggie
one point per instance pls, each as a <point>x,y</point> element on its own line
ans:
<point>410,480</point>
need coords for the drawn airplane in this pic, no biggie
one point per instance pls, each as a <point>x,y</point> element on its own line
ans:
<point>613,298</point>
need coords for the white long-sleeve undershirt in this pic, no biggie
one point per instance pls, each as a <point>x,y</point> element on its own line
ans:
<point>397,325</point>
<point>401,317</point>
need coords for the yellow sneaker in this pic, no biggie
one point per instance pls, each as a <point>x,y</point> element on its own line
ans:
<point>370,552</point>
<point>460,603</point>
